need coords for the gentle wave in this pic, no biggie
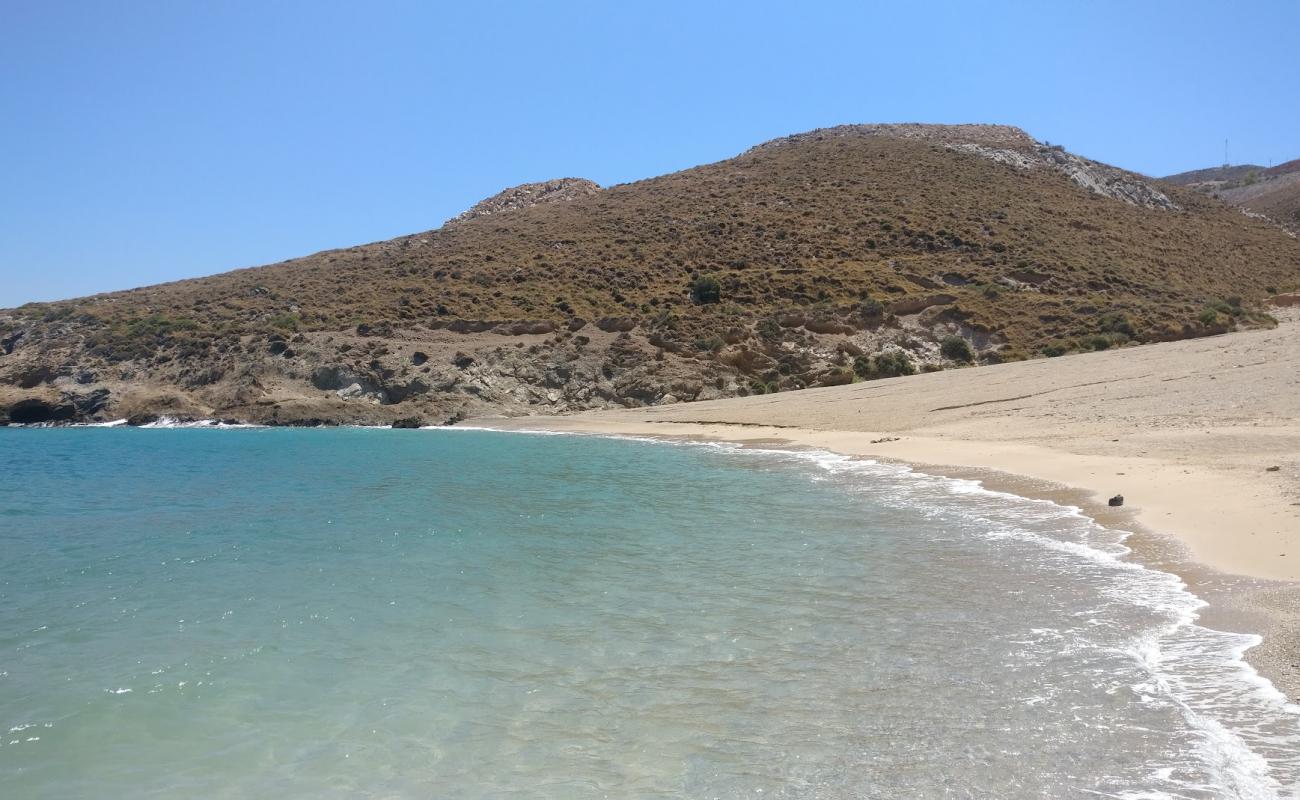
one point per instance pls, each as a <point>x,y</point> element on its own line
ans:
<point>1202,670</point>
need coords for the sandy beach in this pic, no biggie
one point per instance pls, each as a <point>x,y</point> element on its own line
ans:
<point>1201,437</point>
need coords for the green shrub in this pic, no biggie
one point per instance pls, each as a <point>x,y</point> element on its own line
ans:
<point>1056,348</point>
<point>665,320</point>
<point>711,344</point>
<point>769,329</point>
<point>1208,317</point>
<point>889,364</point>
<point>1230,307</point>
<point>871,308</point>
<point>892,364</point>
<point>1115,322</point>
<point>706,289</point>
<point>288,322</point>
<point>956,349</point>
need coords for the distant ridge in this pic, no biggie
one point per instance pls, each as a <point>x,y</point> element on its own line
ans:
<point>1271,191</point>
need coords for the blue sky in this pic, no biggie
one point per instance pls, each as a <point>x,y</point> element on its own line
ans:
<point>150,141</point>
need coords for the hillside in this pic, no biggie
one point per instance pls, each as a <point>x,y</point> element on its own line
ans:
<point>1271,191</point>
<point>797,263</point>
<point>1223,174</point>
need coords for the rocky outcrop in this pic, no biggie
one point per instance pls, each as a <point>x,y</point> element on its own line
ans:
<point>527,195</point>
<point>1098,178</point>
<point>915,305</point>
<point>1105,180</point>
<point>67,407</point>
<point>1007,145</point>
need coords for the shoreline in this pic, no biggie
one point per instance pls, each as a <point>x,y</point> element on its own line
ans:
<point>1202,437</point>
<point>1263,606</point>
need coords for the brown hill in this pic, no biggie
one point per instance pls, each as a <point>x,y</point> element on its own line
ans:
<point>1272,191</point>
<point>1227,172</point>
<point>867,249</point>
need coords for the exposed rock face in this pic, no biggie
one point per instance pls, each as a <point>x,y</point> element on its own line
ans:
<point>35,410</point>
<point>1008,145</point>
<point>464,375</point>
<point>527,195</point>
<point>1105,180</point>
<point>65,407</point>
<point>1102,179</point>
<point>8,343</point>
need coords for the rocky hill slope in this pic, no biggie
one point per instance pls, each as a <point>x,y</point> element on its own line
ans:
<point>1271,191</point>
<point>822,258</point>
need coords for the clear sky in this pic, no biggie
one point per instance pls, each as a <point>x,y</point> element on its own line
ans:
<point>149,141</point>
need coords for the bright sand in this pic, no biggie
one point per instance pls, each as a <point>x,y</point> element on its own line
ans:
<point>1186,431</point>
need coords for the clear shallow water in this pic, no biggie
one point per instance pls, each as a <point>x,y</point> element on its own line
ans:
<point>373,613</point>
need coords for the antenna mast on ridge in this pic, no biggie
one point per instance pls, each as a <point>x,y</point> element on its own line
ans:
<point>1225,153</point>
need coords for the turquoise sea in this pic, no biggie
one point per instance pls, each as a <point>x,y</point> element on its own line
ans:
<point>367,613</point>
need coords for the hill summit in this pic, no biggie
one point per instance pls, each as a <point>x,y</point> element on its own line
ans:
<point>527,195</point>
<point>846,253</point>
